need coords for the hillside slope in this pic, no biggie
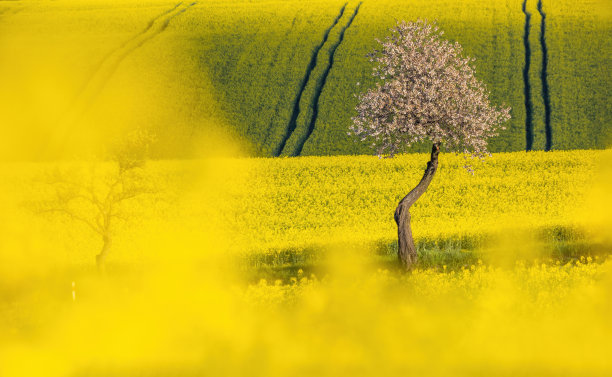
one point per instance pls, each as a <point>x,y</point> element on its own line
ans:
<point>279,77</point>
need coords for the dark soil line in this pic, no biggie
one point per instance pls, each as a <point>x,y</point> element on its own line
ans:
<point>163,27</point>
<point>268,74</point>
<point>286,78</point>
<point>296,103</point>
<point>544,77</point>
<point>152,35</point>
<point>123,45</point>
<point>527,85</point>
<point>321,84</point>
<point>98,81</point>
<point>121,55</point>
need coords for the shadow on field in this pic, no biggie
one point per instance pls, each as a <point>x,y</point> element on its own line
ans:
<point>553,245</point>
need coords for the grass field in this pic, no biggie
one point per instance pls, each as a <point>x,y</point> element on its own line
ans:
<point>282,82</point>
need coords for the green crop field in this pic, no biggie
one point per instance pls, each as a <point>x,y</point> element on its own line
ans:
<point>284,78</point>
<point>579,70</point>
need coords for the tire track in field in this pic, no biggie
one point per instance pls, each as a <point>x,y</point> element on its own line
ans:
<point>269,73</point>
<point>270,70</point>
<point>544,78</point>
<point>109,55</point>
<point>296,103</point>
<point>110,63</point>
<point>526,83</point>
<point>321,84</point>
<point>286,80</point>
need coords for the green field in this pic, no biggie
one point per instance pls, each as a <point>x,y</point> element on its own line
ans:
<point>279,78</point>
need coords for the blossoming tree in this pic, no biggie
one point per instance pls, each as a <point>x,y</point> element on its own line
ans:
<point>426,92</point>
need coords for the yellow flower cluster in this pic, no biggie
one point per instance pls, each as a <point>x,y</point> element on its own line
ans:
<point>297,204</point>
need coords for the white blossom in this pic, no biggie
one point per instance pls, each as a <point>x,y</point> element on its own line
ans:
<point>426,91</point>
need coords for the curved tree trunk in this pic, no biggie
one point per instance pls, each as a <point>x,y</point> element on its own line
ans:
<point>101,258</point>
<point>406,251</point>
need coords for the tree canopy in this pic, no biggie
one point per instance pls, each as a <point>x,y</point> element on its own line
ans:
<point>427,91</point>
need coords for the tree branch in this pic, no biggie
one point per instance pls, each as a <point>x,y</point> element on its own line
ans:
<point>74,216</point>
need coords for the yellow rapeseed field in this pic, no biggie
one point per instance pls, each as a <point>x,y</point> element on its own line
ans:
<point>175,301</point>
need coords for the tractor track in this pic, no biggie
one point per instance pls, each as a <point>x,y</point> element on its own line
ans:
<point>270,132</point>
<point>271,69</point>
<point>110,63</point>
<point>321,84</point>
<point>101,63</point>
<point>296,103</point>
<point>526,83</point>
<point>544,78</point>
